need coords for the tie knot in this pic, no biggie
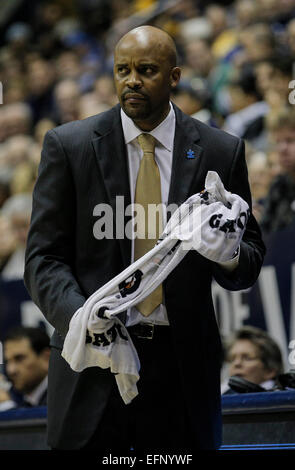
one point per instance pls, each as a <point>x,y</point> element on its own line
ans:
<point>147,142</point>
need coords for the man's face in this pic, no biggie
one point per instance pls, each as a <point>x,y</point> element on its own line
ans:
<point>264,75</point>
<point>143,78</point>
<point>244,361</point>
<point>24,367</point>
<point>285,143</point>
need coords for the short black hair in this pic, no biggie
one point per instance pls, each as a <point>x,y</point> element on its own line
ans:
<point>269,351</point>
<point>38,337</point>
<point>247,81</point>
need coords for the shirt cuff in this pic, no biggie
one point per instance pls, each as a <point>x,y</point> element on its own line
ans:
<point>232,263</point>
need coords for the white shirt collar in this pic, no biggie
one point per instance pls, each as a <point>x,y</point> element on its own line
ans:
<point>268,384</point>
<point>162,132</point>
<point>34,396</point>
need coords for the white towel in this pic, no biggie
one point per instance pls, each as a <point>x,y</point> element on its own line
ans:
<point>211,222</point>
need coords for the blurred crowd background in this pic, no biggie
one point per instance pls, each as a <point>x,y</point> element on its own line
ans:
<point>238,74</point>
<point>237,62</point>
<point>56,57</point>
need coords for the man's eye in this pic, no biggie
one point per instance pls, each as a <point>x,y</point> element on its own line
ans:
<point>19,358</point>
<point>147,70</point>
<point>122,70</point>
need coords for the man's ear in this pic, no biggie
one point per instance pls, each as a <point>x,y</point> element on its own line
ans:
<point>175,76</point>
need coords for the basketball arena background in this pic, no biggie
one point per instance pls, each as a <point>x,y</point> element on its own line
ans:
<point>56,66</point>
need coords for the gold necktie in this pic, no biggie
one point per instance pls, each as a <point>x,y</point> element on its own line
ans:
<point>147,193</point>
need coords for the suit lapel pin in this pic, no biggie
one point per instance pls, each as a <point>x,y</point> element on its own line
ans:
<point>190,154</point>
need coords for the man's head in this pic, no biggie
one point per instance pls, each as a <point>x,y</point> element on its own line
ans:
<point>253,355</point>
<point>67,97</point>
<point>282,129</point>
<point>26,354</point>
<point>191,96</point>
<point>243,90</point>
<point>145,71</point>
<point>258,42</point>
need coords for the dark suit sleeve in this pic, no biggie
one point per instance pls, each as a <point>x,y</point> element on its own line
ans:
<point>252,248</point>
<point>49,266</point>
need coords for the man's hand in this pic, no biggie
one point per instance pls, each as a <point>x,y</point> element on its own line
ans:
<point>222,222</point>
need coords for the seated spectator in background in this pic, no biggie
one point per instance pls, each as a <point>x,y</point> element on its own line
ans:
<point>18,119</point>
<point>26,358</point>
<point>66,101</point>
<point>247,109</point>
<point>17,209</point>
<point>17,150</point>
<point>199,58</point>
<point>264,71</point>
<point>259,179</point>
<point>279,208</point>
<point>258,41</point>
<point>68,66</point>
<point>192,97</point>
<point>254,356</point>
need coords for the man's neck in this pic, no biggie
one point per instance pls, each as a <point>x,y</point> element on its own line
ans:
<point>34,395</point>
<point>149,125</point>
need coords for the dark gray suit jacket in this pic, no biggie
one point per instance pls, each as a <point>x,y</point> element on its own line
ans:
<point>83,164</point>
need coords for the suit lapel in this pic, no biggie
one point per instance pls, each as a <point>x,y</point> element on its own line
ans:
<point>186,158</point>
<point>111,155</point>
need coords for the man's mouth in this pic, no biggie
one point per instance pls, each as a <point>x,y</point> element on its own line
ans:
<point>133,97</point>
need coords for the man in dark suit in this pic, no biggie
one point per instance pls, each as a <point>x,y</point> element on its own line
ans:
<point>91,162</point>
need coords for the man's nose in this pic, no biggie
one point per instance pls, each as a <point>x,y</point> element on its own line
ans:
<point>236,363</point>
<point>11,369</point>
<point>133,80</point>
